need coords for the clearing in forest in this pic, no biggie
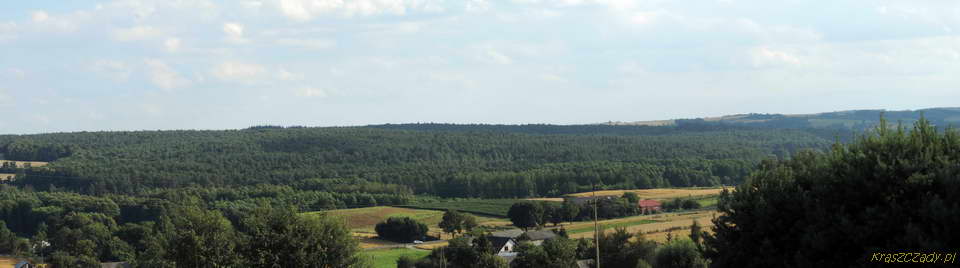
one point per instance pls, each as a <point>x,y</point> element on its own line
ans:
<point>21,164</point>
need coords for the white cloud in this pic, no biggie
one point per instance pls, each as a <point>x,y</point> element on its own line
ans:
<point>172,44</point>
<point>311,92</point>
<point>136,33</point>
<point>115,70</point>
<point>304,10</point>
<point>63,23</point>
<point>306,43</point>
<point>163,76</point>
<point>764,56</point>
<point>252,5</point>
<point>553,78</point>
<point>40,16</point>
<point>493,56</point>
<point>17,73</point>
<point>8,31</point>
<point>288,76</point>
<point>234,32</point>
<point>151,109</point>
<point>239,72</point>
<point>477,5</point>
<point>5,100</point>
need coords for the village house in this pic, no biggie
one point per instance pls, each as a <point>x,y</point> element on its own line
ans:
<point>649,206</point>
<point>506,241</point>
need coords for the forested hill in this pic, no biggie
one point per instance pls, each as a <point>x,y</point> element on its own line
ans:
<point>857,120</point>
<point>378,160</point>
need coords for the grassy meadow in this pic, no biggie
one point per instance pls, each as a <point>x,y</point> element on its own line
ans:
<point>387,258</point>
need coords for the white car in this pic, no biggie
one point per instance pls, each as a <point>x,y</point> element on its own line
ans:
<point>417,242</point>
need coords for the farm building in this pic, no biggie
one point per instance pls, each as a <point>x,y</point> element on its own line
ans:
<point>506,241</point>
<point>649,206</point>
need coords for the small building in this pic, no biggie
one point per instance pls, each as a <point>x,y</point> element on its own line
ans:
<point>24,264</point>
<point>504,245</point>
<point>649,206</point>
<point>537,237</point>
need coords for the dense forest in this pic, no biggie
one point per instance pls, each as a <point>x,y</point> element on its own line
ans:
<point>481,163</point>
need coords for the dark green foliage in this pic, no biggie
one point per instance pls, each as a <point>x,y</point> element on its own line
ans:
<point>463,252</point>
<point>526,214</point>
<point>62,259</point>
<point>622,249</point>
<point>631,197</point>
<point>200,238</point>
<point>559,252</point>
<point>277,236</point>
<point>679,253</point>
<point>568,211</point>
<point>401,230</point>
<point>455,222</point>
<point>680,204</point>
<point>10,243</point>
<point>406,262</point>
<point>890,191</point>
<point>448,164</point>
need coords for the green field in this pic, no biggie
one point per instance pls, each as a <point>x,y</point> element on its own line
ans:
<point>708,201</point>
<point>611,226</point>
<point>487,207</point>
<point>387,258</point>
<point>365,219</point>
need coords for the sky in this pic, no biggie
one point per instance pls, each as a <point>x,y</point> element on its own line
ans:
<point>201,64</point>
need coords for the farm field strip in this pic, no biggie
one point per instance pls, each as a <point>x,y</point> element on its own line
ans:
<point>658,230</point>
<point>485,207</point>
<point>660,193</point>
<point>23,163</point>
<point>611,226</point>
<point>361,221</point>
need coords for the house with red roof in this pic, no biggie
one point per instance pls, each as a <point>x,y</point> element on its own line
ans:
<point>648,206</point>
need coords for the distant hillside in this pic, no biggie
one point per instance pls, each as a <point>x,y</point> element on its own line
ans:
<point>855,119</point>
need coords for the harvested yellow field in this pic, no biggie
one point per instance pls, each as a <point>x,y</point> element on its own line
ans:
<point>6,176</point>
<point>432,246</point>
<point>662,193</point>
<point>676,223</point>
<point>24,163</point>
<point>8,261</point>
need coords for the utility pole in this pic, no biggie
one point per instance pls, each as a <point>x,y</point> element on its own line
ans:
<point>596,225</point>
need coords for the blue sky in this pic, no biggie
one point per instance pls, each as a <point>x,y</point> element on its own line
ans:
<point>202,64</point>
